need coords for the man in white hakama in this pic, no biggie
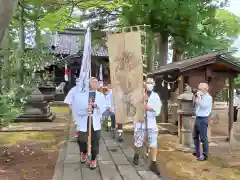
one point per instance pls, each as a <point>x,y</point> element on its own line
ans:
<point>80,111</point>
<point>152,109</point>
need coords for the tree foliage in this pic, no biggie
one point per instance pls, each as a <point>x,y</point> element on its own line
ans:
<point>191,26</point>
<point>194,26</point>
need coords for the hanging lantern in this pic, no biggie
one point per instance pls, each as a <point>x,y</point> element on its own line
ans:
<point>168,86</point>
<point>162,83</point>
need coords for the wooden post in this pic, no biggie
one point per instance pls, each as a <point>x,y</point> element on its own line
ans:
<point>230,107</point>
<point>180,90</point>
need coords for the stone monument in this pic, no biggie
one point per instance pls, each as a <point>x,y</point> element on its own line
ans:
<point>46,87</point>
<point>36,109</point>
<point>186,113</point>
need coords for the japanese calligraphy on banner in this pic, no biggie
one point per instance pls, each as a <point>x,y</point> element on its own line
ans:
<point>126,70</point>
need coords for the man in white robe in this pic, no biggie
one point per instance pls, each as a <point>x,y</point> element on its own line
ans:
<point>152,109</point>
<point>80,111</point>
<point>110,112</point>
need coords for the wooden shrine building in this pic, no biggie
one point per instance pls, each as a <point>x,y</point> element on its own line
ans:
<point>213,68</point>
<point>68,46</point>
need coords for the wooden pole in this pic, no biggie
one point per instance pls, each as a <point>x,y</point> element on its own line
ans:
<point>230,107</point>
<point>89,130</point>
<point>180,90</point>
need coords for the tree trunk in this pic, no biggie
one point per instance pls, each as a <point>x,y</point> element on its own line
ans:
<point>37,30</point>
<point>177,56</point>
<point>21,48</point>
<point>151,57</point>
<point>6,11</point>
<point>6,63</point>
<point>163,49</point>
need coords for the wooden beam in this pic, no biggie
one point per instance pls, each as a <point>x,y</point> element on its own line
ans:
<point>230,108</point>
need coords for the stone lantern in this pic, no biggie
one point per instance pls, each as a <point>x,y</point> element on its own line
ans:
<point>186,113</point>
<point>36,109</point>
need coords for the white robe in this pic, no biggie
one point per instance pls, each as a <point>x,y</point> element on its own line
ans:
<point>155,103</point>
<point>81,120</point>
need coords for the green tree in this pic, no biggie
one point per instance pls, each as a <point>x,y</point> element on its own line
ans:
<point>217,33</point>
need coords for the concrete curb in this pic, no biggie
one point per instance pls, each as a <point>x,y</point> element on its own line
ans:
<point>59,167</point>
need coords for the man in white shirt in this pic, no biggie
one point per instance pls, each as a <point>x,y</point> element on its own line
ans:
<point>203,104</point>
<point>110,112</point>
<point>81,107</point>
<point>153,109</point>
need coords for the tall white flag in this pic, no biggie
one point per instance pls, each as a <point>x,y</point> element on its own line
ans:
<point>101,73</point>
<point>101,76</point>
<point>82,83</point>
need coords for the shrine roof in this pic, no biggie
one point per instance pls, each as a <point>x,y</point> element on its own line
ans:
<point>219,57</point>
<point>71,41</point>
<point>97,58</point>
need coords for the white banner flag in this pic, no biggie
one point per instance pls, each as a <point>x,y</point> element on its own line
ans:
<point>82,82</point>
<point>100,73</point>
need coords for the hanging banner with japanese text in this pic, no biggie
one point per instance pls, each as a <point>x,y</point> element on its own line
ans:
<point>126,70</point>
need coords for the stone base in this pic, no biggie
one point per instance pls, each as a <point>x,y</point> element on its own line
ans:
<point>36,118</point>
<point>234,137</point>
<point>183,148</point>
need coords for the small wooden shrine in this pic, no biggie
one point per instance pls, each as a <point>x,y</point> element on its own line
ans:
<point>74,62</point>
<point>213,68</point>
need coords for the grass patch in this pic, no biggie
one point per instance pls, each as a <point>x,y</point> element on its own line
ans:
<point>9,138</point>
<point>59,109</point>
<point>184,166</point>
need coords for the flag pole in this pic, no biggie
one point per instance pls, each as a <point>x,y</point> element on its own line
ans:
<point>84,81</point>
<point>90,113</point>
<point>89,131</point>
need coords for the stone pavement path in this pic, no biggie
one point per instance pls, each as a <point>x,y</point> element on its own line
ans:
<point>114,163</point>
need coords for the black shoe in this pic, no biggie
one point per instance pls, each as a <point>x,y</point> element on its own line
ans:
<point>120,137</point>
<point>154,168</point>
<point>194,154</point>
<point>136,159</point>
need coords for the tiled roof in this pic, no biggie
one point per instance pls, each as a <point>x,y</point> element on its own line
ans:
<point>71,42</point>
<point>196,62</point>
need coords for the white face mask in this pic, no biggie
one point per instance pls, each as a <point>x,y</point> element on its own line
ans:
<point>149,87</point>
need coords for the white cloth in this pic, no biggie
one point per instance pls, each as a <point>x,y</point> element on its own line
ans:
<point>81,117</point>
<point>155,103</point>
